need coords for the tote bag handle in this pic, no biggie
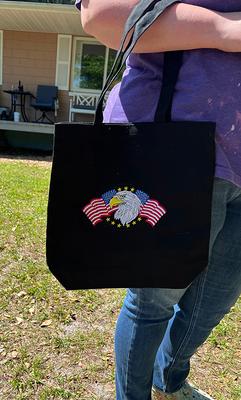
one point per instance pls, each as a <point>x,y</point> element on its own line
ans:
<point>141,18</point>
<point>137,13</point>
<point>149,12</point>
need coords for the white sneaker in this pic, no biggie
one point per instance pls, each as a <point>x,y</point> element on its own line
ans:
<point>187,392</point>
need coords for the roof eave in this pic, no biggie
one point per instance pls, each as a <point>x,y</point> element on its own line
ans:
<point>40,17</point>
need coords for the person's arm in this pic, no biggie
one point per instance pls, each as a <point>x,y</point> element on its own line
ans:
<point>180,27</point>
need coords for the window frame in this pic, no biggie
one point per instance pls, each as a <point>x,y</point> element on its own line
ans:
<point>87,40</point>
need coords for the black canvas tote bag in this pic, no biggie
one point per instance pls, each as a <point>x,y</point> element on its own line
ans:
<point>130,204</point>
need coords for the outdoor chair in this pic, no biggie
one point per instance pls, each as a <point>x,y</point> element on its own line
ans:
<point>46,101</point>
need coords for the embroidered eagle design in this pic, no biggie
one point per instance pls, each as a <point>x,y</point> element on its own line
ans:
<point>124,208</point>
<point>128,206</point>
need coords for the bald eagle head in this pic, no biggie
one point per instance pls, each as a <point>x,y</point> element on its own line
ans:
<point>128,206</point>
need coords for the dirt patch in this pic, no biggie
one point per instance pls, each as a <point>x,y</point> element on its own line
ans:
<point>103,391</point>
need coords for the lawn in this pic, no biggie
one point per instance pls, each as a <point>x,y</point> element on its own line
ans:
<point>58,344</point>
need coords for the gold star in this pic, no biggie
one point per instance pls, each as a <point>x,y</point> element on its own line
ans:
<point>126,187</point>
<point>139,219</point>
<point>113,223</point>
<point>132,189</point>
<point>128,225</point>
<point>134,223</point>
<point>119,189</point>
<point>119,226</point>
<point>107,219</point>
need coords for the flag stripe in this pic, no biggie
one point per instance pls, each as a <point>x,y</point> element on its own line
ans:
<point>98,214</point>
<point>154,204</point>
<point>159,210</point>
<point>97,209</point>
<point>152,211</point>
<point>97,221</point>
<point>149,222</point>
<point>147,212</point>
<point>95,203</point>
<point>151,218</point>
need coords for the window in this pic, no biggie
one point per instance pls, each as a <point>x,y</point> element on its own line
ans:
<point>91,64</point>
<point>1,57</point>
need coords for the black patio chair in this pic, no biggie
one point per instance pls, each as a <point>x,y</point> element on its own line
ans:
<point>46,101</point>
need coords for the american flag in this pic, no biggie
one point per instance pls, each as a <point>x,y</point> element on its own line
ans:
<point>97,209</point>
<point>152,210</point>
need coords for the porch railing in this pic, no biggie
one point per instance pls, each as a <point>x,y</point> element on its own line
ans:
<point>83,103</point>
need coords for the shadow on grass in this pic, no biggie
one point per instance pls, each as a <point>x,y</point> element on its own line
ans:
<point>15,153</point>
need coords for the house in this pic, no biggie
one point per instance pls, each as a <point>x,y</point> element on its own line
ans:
<point>42,43</point>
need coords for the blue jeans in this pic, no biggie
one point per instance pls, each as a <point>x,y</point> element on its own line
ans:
<point>158,330</point>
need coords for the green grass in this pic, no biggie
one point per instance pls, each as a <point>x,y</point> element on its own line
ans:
<point>72,357</point>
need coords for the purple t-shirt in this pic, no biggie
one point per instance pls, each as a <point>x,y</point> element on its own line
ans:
<point>208,89</point>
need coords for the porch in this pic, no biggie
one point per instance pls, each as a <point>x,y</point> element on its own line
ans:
<point>27,135</point>
<point>43,43</point>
